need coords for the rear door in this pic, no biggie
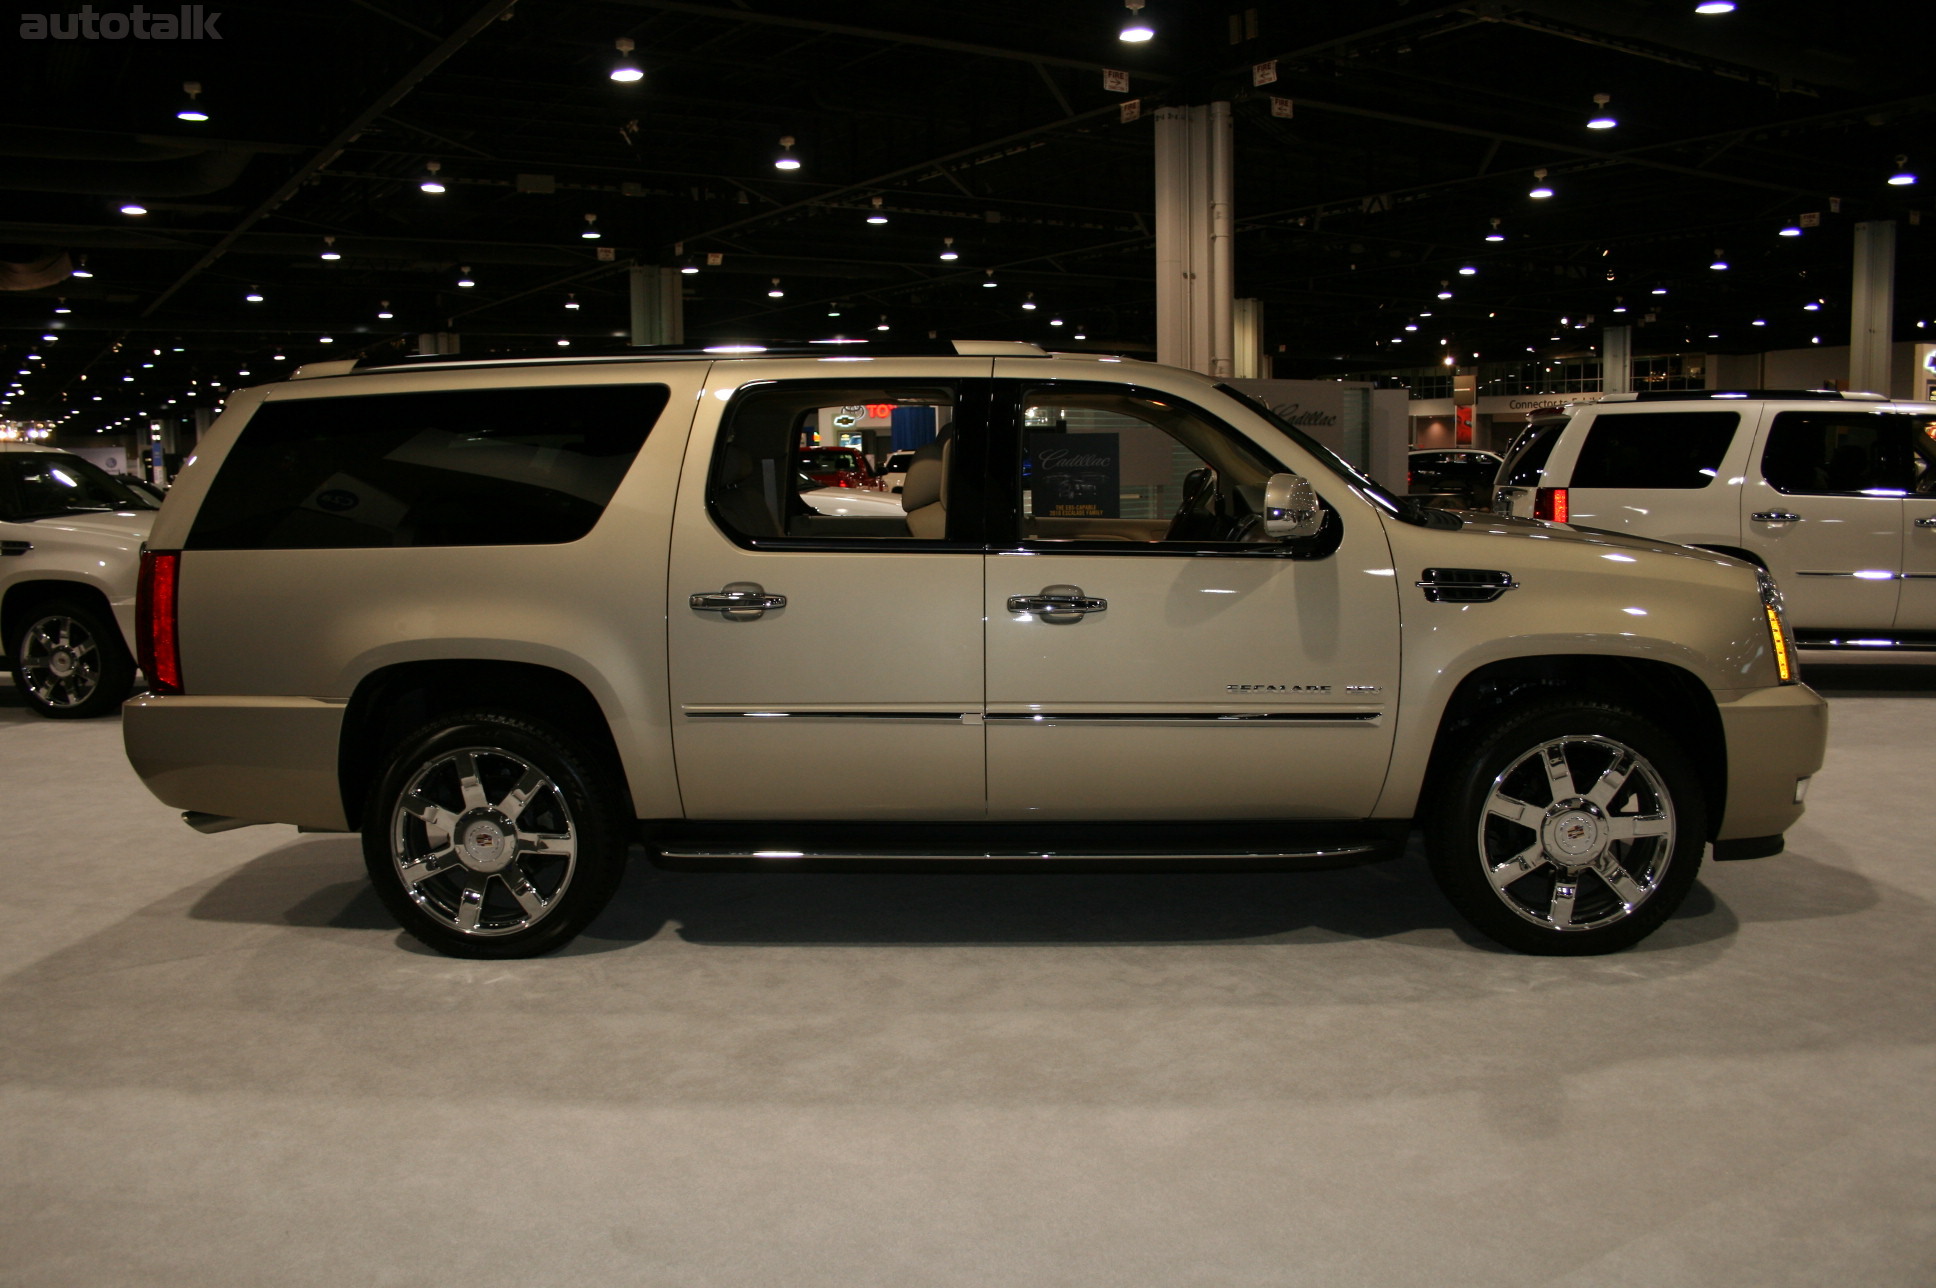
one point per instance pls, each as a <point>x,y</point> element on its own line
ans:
<point>1825,512</point>
<point>1916,607</point>
<point>826,666</point>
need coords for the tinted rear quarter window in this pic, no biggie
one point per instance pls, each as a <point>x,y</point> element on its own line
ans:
<point>1665,449</point>
<point>1845,453</point>
<point>1526,463</point>
<point>475,467</point>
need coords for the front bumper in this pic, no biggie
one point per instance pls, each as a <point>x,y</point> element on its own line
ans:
<point>264,760</point>
<point>1776,737</point>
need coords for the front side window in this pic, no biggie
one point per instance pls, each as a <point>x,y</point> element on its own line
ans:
<point>1837,453</point>
<point>1104,463</point>
<point>1655,449</point>
<point>474,467</point>
<point>780,474</point>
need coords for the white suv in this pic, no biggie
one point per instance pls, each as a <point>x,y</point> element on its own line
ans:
<point>1833,493</point>
<point>70,543</point>
<point>507,617</point>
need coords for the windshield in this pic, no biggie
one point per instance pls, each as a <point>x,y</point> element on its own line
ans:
<point>1399,507</point>
<point>46,484</point>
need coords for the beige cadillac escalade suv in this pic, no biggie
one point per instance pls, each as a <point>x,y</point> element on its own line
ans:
<point>506,618</point>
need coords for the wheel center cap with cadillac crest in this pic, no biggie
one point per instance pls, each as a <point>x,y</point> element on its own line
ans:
<point>485,846</point>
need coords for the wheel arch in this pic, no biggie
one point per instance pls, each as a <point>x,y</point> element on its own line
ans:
<point>23,597</point>
<point>1669,696</point>
<point>391,702</point>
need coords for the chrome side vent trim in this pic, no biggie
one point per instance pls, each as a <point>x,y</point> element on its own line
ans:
<point>1464,585</point>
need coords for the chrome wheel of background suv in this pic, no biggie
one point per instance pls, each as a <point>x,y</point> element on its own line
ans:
<point>70,662</point>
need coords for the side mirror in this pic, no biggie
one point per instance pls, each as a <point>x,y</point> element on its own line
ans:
<point>1291,508</point>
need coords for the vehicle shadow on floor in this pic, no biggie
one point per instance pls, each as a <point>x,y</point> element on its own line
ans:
<point>318,882</point>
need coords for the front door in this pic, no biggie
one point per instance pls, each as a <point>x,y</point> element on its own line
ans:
<point>1916,609</point>
<point>825,643</point>
<point>1150,654</point>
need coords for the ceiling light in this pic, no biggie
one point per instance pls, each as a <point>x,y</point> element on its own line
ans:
<point>136,208</point>
<point>948,249</point>
<point>689,268</point>
<point>1813,306</point>
<point>329,250</point>
<point>1136,28</point>
<point>1495,235</point>
<point>1029,301</point>
<point>1902,177</point>
<point>464,276</point>
<point>383,310</point>
<point>191,110</point>
<point>1759,322</point>
<point>1467,270</point>
<point>591,232</point>
<point>1055,321</point>
<point>625,71</point>
<point>430,182</point>
<point>877,217</point>
<point>1660,290</point>
<point>1601,119</point>
<point>990,279</point>
<point>80,268</point>
<point>1540,189</point>
<point>571,302</point>
<point>1790,230</point>
<point>60,305</point>
<point>321,339</point>
<point>1445,290</point>
<point>786,160</point>
<point>1720,261</point>
<point>776,293</point>
<point>563,343</point>
<point>254,296</point>
<point>1715,6</point>
<point>883,325</point>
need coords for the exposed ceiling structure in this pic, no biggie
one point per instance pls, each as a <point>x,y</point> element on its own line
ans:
<point>1411,128</point>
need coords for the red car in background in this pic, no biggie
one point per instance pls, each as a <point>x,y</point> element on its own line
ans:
<point>838,467</point>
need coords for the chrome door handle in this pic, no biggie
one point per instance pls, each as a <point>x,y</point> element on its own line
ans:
<point>1058,604</point>
<point>1927,521</point>
<point>1776,516</point>
<point>739,601</point>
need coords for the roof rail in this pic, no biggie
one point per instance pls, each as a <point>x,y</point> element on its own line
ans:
<point>1784,395</point>
<point>668,352</point>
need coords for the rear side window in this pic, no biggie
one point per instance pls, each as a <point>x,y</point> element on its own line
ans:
<point>475,467</point>
<point>1845,453</point>
<point>1666,449</point>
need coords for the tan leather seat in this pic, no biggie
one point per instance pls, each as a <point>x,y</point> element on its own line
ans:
<point>924,494</point>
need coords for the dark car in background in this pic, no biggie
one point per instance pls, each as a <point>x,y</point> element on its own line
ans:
<point>1455,479</point>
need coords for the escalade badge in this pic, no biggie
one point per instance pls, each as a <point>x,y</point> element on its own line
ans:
<point>1277,688</point>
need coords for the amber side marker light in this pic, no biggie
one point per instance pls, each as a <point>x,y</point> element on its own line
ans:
<point>157,626</point>
<point>1779,638</point>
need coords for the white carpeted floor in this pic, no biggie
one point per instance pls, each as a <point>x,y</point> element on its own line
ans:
<point>220,1064</point>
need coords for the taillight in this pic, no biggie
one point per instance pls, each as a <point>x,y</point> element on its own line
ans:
<point>157,623</point>
<point>1549,503</point>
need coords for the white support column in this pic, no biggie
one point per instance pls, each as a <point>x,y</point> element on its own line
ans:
<point>1616,359</point>
<point>1247,344</point>
<point>1872,306</point>
<point>1194,278</point>
<point>658,305</point>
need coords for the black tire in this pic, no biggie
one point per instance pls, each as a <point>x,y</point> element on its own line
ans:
<point>69,661</point>
<point>1500,808</point>
<point>513,866</point>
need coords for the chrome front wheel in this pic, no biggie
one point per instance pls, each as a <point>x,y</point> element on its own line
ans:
<point>1570,828</point>
<point>70,663</point>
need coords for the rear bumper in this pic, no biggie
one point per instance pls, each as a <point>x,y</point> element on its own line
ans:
<point>264,760</point>
<point>1775,738</point>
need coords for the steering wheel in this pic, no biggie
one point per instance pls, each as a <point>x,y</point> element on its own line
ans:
<point>1200,515</point>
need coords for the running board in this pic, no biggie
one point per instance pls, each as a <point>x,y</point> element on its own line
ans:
<point>819,847</point>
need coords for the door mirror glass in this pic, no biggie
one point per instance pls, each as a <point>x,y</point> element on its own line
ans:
<point>1291,507</point>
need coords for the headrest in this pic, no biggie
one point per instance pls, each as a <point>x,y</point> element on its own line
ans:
<point>927,476</point>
